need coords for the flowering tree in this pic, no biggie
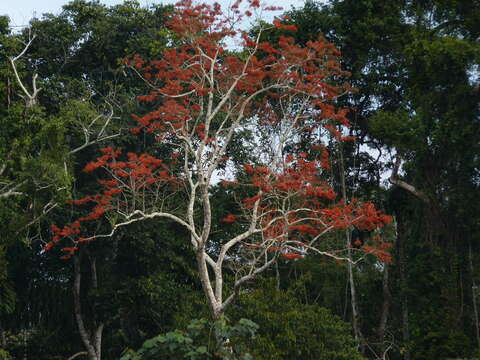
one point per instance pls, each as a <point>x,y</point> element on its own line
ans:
<point>204,97</point>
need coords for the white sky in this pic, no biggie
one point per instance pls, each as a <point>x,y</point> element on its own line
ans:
<point>21,11</point>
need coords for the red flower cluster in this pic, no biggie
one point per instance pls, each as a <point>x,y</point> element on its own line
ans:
<point>127,178</point>
<point>229,219</point>
<point>202,95</point>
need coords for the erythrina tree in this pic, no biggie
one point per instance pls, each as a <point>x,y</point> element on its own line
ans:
<point>204,97</point>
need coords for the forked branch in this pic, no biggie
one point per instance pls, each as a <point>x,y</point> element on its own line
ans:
<point>29,96</point>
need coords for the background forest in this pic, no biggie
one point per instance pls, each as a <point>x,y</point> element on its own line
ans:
<point>66,92</point>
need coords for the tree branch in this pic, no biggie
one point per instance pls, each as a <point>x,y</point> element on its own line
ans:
<point>31,97</point>
<point>404,185</point>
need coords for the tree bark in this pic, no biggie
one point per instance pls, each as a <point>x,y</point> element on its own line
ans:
<point>353,293</point>
<point>91,343</point>
<point>213,305</point>
<point>387,298</point>
<point>353,297</point>
<point>410,188</point>
<point>401,237</point>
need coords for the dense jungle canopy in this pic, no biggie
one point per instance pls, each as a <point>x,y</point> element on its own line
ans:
<point>395,274</point>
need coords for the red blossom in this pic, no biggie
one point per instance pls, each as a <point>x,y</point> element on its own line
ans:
<point>279,25</point>
<point>229,219</point>
<point>291,256</point>
<point>292,202</point>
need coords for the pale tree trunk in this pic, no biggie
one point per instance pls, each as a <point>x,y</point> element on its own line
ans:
<point>277,275</point>
<point>357,331</point>
<point>92,340</point>
<point>207,285</point>
<point>353,298</point>
<point>214,299</point>
<point>387,301</point>
<point>387,298</point>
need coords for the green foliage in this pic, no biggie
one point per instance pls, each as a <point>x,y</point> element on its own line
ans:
<point>415,65</point>
<point>41,343</point>
<point>196,344</point>
<point>289,329</point>
<point>4,355</point>
<point>396,129</point>
<point>7,293</point>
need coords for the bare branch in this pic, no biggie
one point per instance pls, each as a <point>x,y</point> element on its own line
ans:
<point>74,356</point>
<point>31,98</point>
<point>11,189</point>
<point>244,279</point>
<point>404,185</point>
<point>142,216</point>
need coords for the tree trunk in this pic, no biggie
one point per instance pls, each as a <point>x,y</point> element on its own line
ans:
<point>353,293</point>
<point>213,304</point>
<point>401,238</point>
<point>8,93</point>
<point>387,298</point>
<point>474,297</point>
<point>92,342</point>
<point>353,297</point>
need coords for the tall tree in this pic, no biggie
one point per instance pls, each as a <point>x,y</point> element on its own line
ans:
<point>205,98</point>
<point>76,108</point>
<point>414,63</point>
